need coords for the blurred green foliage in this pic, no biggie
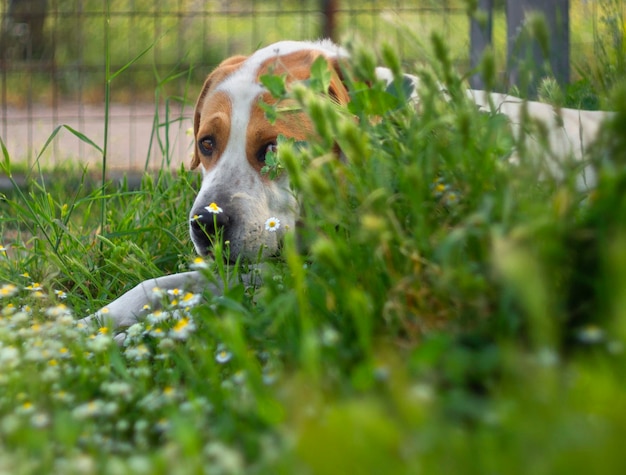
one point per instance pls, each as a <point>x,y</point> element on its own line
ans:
<point>441,310</point>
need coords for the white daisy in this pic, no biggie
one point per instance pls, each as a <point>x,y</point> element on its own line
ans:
<point>272,224</point>
<point>213,208</point>
<point>222,355</point>
<point>8,290</point>
<point>199,263</point>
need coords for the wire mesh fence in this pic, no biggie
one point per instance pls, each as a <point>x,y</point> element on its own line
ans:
<point>53,64</point>
<point>56,55</point>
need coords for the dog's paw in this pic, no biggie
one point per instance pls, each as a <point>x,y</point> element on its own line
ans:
<point>96,322</point>
<point>120,338</point>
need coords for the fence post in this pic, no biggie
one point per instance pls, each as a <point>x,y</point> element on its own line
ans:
<point>329,10</point>
<point>31,15</point>
<point>526,62</point>
<point>481,28</point>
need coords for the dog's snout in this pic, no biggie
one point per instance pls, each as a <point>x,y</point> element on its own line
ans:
<point>205,225</point>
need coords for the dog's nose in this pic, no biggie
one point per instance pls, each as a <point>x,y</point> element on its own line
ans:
<point>205,225</point>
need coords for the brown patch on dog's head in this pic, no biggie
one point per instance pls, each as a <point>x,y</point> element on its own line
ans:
<point>295,124</point>
<point>223,70</point>
<point>297,67</point>
<point>214,124</point>
<point>261,132</point>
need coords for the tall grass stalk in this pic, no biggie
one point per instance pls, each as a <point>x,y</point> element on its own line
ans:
<point>107,107</point>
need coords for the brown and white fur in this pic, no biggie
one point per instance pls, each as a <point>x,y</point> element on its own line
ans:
<point>232,137</point>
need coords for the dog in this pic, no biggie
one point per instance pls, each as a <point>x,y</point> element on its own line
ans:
<point>233,138</point>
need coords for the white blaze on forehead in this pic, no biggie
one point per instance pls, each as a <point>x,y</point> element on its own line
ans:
<point>243,88</point>
<point>242,85</point>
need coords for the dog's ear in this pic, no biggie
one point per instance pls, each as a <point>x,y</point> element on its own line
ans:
<point>224,69</point>
<point>337,88</point>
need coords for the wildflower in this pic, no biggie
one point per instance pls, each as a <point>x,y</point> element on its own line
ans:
<point>272,224</point>
<point>151,401</point>
<point>615,347</point>
<point>157,333</point>
<point>239,377</point>
<point>162,425</point>
<point>157,316</point>
<point>99,343</point>
<point>63,396</point>
<point>222,356</point>
<point>547,357</point>
<point>89,409</point>
<point>50,373</point>
<point>174,292</point>
<point>169,392</point>
<point>27,407</point>
<point>137,353</point>
<point>330,336</point>
<point>60,294</point>
<point>135,330</point>
<point>9,309</point>
<point>40,420</point>
<point>57,311</point>
<point>421,392</point>
<point>198,264</point>
<point>183,328</point>
<point>439,188</point>
<point>166,344</point>
<point>268,378</point>
<point>451,198</point>
<point>3,250</point>
<point>189,300</point>
<point>8,290</point>
<point>26,275</point>
<point>213,208</point>
<point>118,389</point>
<point>590,334</point>
<point>195,217</point>
<point>34,286</point>
<point>141,425</point>
<point>224,458</point>
<point>157,292</point>
<point>122,425</point>
<point>197,405</point>
<point>9,357</point>
<point>381,372</point>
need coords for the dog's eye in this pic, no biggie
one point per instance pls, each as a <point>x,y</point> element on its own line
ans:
<point>206,146</point>
<point>269,148</point>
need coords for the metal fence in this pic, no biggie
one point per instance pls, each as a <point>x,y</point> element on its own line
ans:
<point>56,56</point>
<point>53,63</point>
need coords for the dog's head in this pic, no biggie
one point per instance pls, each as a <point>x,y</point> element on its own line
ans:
<point>232,138</point>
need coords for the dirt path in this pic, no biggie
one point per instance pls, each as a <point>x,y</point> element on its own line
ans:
<point>26,130</point>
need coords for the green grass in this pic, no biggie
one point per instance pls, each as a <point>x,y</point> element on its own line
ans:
<point>440,312</point>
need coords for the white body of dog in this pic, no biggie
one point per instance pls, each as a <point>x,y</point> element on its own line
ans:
<point>233,136</point>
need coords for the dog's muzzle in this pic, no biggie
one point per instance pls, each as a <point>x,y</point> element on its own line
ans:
<point>206,227</point>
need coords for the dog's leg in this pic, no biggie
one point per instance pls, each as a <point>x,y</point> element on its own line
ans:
<point>128,309</point>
